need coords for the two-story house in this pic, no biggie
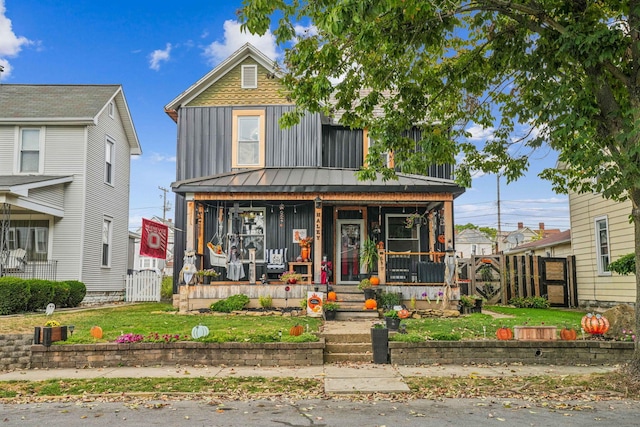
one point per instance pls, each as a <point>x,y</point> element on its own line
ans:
<point>64,184</point>
<point>246,183</point>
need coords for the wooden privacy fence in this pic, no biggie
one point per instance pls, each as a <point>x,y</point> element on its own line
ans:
<point>142,286</point>
<point>499,278</point>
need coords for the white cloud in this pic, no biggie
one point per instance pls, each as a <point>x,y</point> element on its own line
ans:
<point>10,44</point>
<point>160,158</point>
<point>234,39</point>
<point>478,133</point>
<point>158,56</point>
<point>305,31</point>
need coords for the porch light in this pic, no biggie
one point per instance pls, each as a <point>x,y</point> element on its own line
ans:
<point>318,202</point>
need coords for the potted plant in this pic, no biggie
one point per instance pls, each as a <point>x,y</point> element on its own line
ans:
<point>392,319</point>
<point>290,277</point>
<point>51,332</point>
<point>206,275</point>
<point>467,302</point>
<point>380,343</point>
<point>388,300</point>
<point>366,286</point>
<point>369,256</point>
<point>330,309</point>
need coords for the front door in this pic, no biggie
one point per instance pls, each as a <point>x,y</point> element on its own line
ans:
<point>348,237</point>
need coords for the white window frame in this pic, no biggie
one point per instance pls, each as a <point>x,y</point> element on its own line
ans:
<point>109,155</point>
<point>237,115</point>
<point>106,237</point>
<point>415,234</point>
<point>111,109</point>
<point>19,150</point>
<point>603,268</point>
<point>249,85</point>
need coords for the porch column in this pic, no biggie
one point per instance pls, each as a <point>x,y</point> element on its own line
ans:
<point>190,231</point>
<point>448,224</point>
<point>317,241</point>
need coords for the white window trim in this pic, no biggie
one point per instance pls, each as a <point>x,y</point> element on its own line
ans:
<point>109,143</point>
<point>234,137</point>
<point>109,242</point>
<point>601,271</point>
<point>111,109</point>
<point>18,150</point>
<point>253,85</point>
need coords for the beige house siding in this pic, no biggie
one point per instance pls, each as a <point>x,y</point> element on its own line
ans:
<point>594,288</point>
<point>228,91</point>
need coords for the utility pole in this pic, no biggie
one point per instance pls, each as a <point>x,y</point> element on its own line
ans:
<point>499,236</point>
<point>166,206</point>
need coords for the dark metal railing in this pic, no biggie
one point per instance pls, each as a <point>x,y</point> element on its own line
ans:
<point>18,267</point>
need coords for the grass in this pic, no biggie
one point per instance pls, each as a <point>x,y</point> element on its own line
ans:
<point>160,318</point>
<point>480,325</point>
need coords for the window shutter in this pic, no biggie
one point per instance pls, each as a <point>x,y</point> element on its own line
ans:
<point>249,76</point>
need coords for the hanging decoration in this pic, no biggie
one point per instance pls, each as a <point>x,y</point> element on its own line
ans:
<point>281,214</point>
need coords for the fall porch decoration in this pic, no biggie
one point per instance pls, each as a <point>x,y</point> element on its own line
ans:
<point>504,333</point>
<point>595,324</point>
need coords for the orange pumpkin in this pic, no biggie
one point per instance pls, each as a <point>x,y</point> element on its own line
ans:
<point>504,333</point>
<point>370,304</point>
<point>595,324</point>
<point>296,330</point>
<point>96,332</point>
<point>404,313</point>
<point>331,296</point>
<point>375,280</point>
<point>568,334</point>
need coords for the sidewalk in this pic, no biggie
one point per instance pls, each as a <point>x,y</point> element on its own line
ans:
<point>362,378</point>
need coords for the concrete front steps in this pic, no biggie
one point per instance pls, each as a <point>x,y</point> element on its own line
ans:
<point>348,348</point>
<point>351,300</point>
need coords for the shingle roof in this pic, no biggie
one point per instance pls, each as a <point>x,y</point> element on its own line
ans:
<point>54,101</point>
<point>311,180</point>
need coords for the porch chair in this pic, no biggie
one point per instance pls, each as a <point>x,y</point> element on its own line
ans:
<point>13,261</point>
<point>398,267</point>
<point>276,261</point>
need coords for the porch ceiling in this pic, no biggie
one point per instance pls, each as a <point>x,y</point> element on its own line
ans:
<point>311,180</point>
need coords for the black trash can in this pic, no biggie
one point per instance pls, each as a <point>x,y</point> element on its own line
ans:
<point>380,344</point>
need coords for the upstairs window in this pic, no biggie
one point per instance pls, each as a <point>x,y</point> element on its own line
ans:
<point>249,76</point>
<point>106,242</point>
<point>30,160</point>
<point>248,138</point>
<point>108,161</point>
<point>602,245</point>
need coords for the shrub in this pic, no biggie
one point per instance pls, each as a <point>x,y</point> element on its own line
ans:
<point>61,292</point>
<point>166,289</point>
<point>77,292</point>
<point>529,302</point>
<point>14,295</point>
<point>445,336</point>
<point>234,302</point>
<point>41,294</point>
<point>390,299</point>
<point>266,301</point>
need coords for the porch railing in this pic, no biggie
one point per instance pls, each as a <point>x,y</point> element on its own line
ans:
<point>412,267</point>
<point>18,267</point>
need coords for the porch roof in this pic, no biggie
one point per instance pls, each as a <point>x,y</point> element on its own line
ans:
<point>14,190</point>
<point>311,180</point>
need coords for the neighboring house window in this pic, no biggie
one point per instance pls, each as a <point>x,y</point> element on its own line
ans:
<point>30,160</point>
<point>248,134</point>
<point>106,242</point>
<point>108,161</point>
<point>602,245</point>
<point>399,237</point>
<point>474,248</point>
<point>30,235</point>
<point>112,109</point>
<point>249,76</point>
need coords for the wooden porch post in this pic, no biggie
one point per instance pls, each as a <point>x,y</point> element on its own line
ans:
<point>448,224</point>
<point>191,218</point>
<point>317,241</point>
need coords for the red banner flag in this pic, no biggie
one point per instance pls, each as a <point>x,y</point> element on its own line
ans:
<point>154,239</point>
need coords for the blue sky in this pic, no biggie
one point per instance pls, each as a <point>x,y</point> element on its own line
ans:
<point>158,49</point>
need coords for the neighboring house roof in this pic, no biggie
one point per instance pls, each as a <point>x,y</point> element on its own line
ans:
<point>472,236</point>
<point>18,184</point>
<point>555,239</point>
<point>212,76</point>
<point>64,104</point>
<point>311,180</point>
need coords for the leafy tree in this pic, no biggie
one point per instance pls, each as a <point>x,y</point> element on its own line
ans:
<point>547,74</point>
<point>491,232</point>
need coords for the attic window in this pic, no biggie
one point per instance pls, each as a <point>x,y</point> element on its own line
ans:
<point>249,76</point>
<point>111,109</point>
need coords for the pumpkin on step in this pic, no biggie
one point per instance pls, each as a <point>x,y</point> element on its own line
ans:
<point>296,330</point>
<point>370,304</point>
<point>331,296</point>
<point>375,280</point>
<point>504,333</point>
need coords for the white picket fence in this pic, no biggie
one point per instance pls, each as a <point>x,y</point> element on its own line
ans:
<point>143,286</point>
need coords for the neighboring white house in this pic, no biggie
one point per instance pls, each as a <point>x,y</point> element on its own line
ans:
<point>64,183</point>
<point>471,242</point>
<point>511,240</point>
<point>162,266</point>
<point>555,245</point>
<point>601,233</point>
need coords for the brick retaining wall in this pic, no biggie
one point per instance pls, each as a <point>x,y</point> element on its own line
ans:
<point>526,352</point>
<point>15,351</point>
<point>181,352</point>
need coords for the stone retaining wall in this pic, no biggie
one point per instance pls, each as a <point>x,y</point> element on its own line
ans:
<point>181,352</point>
<point>15,351</point>
<point>525,352</point>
